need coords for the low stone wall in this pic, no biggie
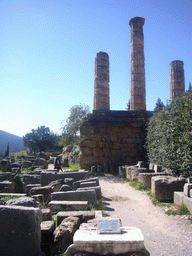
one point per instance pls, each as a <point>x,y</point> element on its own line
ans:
<point>111,138</point>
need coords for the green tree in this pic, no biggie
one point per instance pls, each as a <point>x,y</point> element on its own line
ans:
<point>71,129</point>
<point>169,136</point>
<point>159,105</point>
<point>41,139</point>
<point>128,106</point>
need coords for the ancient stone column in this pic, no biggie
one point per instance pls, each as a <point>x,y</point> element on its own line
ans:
<point>176,79</point>
<point>101,82</point>
<point>137,88</point>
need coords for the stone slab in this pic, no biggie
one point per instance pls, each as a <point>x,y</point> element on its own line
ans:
<point>84,195</point>
<point>56,206</point>
<point>88,240</point>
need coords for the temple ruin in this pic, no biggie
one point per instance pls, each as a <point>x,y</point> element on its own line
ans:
<point>101,82</point>
<point>114,138</point>
<point>137,72</point>
<point>176,79</point>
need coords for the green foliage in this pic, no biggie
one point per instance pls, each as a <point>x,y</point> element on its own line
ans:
<point>72,167</point>
<point>41,139</point>
<point>182,210</point>
<point>7,198</point>
<point>137,185</point>
<point>71,130</point>
<point>169,137</point>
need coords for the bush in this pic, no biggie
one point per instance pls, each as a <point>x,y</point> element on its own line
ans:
<point>169,136</point>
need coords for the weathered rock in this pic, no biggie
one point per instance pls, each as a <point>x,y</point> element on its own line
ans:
<point>23,201</point>
<point>16,186</point>
<point>40,162</point>
<point>63,234</point>
<point>65,188</point>
<point>56,185</point>
<point>45,191</point>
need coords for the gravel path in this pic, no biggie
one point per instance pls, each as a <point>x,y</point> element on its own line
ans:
<point>163,235</point>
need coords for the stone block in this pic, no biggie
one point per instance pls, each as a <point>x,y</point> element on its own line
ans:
<point>97,190</point>
<point>6,176</point>
<point>4,184</point>
<point>178,198</point>
<point>157,168</point>
<point>164,186</point>
<point>84,216</point>
<point>47,238</point>
<point>63,234</point>
<point>23,201</point>
<point>31,179</point>
<point>88,184</point>
<point>85,195</point>
<point>187,188</point>
<point>145,178</point>
<point>57,206</point>
<point>45,191</point>
<point>20,230</point>
<point>46,214</point>
<point>130,241</point>
<point>65,188</point>
<point>30,186</point>
<point>187,201</point>
<point>151,166</point>
<point>47,177</point>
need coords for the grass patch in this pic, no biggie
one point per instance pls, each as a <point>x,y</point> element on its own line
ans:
<point>72,166</point>
<point>7,198</point>
<point>137,185</point>
<point>182,210</point>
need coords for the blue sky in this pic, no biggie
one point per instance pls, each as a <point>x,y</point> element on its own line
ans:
<point>48,49</point>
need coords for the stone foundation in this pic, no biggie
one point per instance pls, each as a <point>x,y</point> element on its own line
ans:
<point>113,138</point>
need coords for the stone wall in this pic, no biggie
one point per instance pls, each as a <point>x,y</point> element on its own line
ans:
<point>112,138</point>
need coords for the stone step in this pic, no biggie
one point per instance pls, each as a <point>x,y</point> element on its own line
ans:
<point>57,206</point>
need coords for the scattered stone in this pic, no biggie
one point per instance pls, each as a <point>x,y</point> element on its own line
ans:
<point>16,186</point>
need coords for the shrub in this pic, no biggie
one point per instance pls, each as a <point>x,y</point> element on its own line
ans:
<point>169,136</point>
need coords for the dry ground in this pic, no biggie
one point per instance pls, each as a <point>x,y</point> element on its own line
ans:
<point>163,235</point>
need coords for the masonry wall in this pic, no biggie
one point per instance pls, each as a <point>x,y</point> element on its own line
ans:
<point>112,138</point>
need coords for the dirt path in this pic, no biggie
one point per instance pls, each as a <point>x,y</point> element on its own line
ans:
<point>163,235</point>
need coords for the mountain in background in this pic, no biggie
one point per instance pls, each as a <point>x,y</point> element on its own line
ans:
<point>15,142</point>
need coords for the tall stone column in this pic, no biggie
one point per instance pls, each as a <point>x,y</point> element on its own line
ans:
<point>176,79</point>
<point>137,87</point>
<point>101,82</point>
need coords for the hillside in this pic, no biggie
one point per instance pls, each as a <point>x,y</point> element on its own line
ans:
<point>15,142</point>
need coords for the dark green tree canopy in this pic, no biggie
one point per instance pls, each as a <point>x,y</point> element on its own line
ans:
<point>169,136</point>
<point>71,129</point>
<point>41,139</point>
<point>159,105</point>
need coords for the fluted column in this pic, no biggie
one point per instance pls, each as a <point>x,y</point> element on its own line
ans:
<point>101,82</point>
<point>176,79</point>
<point>137,87</point>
